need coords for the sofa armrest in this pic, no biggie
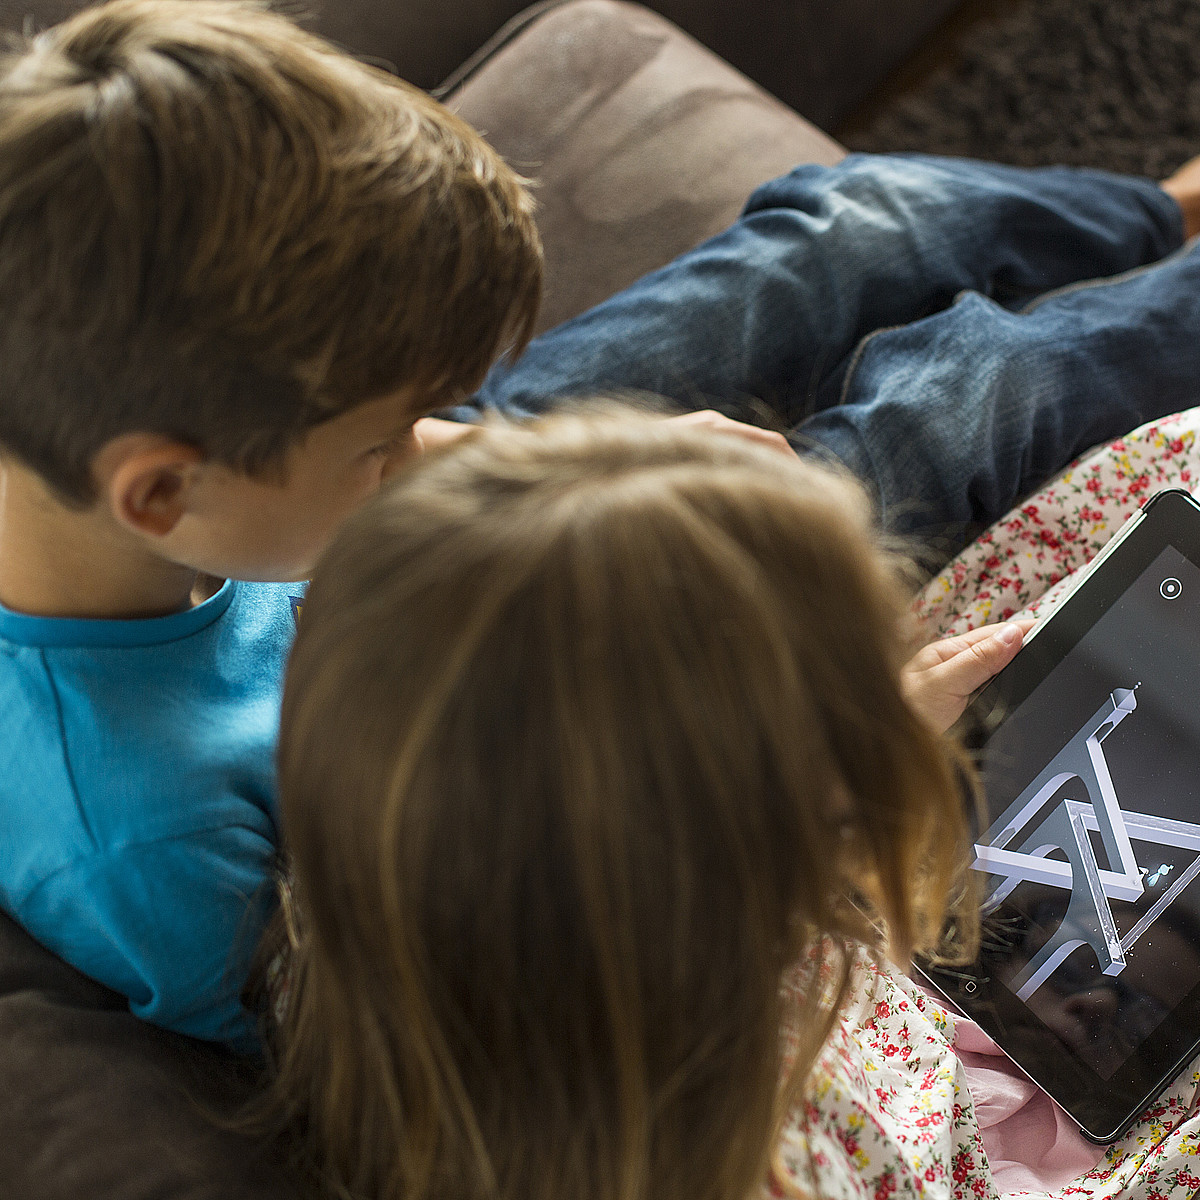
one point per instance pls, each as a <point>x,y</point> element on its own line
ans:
<point>821,57</point>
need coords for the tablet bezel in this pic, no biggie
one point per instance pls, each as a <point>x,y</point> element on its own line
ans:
<point>1104,1108</point>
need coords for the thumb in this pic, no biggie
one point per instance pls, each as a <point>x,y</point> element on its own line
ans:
<point>977,662</point>
<point>940,690</point>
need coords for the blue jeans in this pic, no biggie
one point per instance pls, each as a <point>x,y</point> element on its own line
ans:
<point>922,320</point>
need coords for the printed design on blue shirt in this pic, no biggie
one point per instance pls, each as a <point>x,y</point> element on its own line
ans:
<point>297,608</point>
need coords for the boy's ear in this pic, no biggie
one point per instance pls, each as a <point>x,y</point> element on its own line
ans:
<point>146,480</point>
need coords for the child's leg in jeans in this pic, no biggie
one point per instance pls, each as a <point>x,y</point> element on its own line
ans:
<point>956,417</point>
<point>766,315</point>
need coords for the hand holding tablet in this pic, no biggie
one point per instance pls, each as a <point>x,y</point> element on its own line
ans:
<point>940,679</point>
<point>1089,972</point>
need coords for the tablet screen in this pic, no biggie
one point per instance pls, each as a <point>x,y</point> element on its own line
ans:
<point>1091,862</point>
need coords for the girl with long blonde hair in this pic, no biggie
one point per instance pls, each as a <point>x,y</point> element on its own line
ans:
<point>594,731</point>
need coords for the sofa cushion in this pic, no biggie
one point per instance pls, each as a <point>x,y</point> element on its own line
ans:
<point>641,142</point>
<point>95,1103</point>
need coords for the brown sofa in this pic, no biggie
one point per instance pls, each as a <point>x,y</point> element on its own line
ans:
<point>820,57</point>
<point>642,143</point>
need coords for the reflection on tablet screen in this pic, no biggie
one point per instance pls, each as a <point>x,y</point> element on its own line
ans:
<point>1092,910</point>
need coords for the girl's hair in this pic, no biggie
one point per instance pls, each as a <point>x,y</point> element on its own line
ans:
<point>592,730</point>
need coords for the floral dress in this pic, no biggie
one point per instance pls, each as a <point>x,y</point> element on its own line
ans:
<point>889,1114</point>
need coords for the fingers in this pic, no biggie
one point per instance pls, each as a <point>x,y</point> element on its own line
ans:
<point>719,423</point>
<point>947,648</point>
<point>976,663</point>
<point>942,677</point>
<point>982,658</point>
<point>1022,624</point>
<point>976,659</point>
<point>432,433</point>
<point>988,640</point>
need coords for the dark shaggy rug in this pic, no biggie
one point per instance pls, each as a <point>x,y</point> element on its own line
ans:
<point>1105,83</point>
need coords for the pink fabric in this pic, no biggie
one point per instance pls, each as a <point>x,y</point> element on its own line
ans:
<point>889,1114</point>
<point>1033,1146</point>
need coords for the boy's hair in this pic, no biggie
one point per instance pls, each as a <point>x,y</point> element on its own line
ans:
<point>215,226</point>
<point>590,732</point>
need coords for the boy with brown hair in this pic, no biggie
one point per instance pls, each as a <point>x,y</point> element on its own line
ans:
<point>236,267</point>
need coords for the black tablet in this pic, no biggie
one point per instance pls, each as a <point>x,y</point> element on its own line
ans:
<point>1089,971</point>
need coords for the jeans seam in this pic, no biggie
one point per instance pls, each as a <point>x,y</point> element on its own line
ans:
<point>1084,285</point>
<point>856,358</point>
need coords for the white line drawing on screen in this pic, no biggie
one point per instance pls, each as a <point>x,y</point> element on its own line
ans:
<point>1067,827</point>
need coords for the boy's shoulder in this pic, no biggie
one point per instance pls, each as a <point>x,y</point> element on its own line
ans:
<point>123,731</point>
<point>137,788</point>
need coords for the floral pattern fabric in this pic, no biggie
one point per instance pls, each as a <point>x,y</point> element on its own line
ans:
<point>889,1115</point>
<point>1024,562</point>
